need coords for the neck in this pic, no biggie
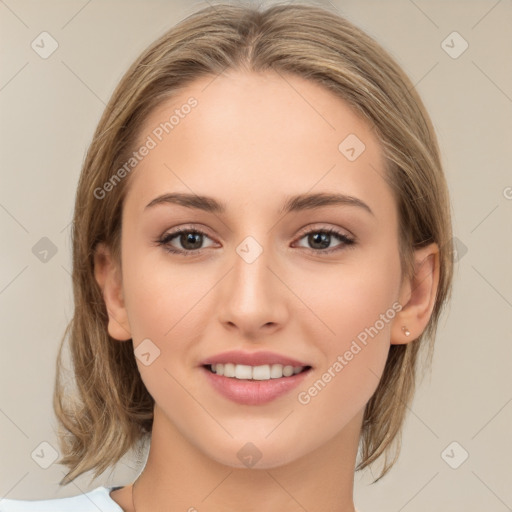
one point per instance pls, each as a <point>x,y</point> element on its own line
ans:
<point>178,476</point>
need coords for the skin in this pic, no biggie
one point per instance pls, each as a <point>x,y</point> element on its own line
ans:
<point>252,140</point>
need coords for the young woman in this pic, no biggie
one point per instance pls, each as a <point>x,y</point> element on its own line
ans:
<point>261,246</point>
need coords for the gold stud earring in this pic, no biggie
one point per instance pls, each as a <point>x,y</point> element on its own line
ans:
<point>406,331</point>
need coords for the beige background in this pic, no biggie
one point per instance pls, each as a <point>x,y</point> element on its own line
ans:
<point>49,109</point>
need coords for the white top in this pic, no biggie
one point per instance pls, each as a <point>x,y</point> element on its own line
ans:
<point>97,500</point>
<point>93,501</point>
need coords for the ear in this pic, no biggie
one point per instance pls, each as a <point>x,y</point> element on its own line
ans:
<point>417,296</point>
<point>108,277</point>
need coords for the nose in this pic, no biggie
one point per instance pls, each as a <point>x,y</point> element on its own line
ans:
<point>253,298</point>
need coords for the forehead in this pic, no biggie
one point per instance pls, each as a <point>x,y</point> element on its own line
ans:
<point>255,135</point>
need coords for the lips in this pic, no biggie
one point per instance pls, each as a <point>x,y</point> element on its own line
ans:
<point>252,359</point>
<point>253,392</point>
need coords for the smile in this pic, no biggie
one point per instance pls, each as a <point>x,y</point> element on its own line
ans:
<point>261,372</point>
<point>254,385</point>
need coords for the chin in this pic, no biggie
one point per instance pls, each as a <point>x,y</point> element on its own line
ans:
<point>255,455</point>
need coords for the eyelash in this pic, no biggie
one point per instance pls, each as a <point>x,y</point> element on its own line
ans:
<point>166,239</point>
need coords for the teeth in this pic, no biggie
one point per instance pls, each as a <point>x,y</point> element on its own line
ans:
<point>243,372</point>
<point>229,370</point>
<point>263,372</point>
<point>276,371</point>
<point>259,372</point>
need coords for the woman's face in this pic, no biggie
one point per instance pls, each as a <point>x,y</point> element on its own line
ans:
<point>262,275</point>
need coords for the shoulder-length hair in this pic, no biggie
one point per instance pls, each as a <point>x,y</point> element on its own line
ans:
<point>111,411</point>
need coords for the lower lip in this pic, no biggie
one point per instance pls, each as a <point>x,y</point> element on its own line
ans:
<point>253,392</point>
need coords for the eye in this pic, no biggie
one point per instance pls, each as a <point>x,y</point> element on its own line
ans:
<point>320,239</point>
<point>189,239</point>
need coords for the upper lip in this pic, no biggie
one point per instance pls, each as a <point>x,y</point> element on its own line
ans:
<point>252,359</point>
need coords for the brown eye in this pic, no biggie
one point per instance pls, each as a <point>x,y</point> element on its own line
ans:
<point>190,241</point>
<point>319,240</point>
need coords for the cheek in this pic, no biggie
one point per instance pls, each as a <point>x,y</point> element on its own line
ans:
<point>352,296</point>
<point>161,298</point>
<point>164,306</point>
<point>355,306</point>
<point>169,305</point>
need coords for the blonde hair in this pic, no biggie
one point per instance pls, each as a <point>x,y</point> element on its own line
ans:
<point>111,411</point>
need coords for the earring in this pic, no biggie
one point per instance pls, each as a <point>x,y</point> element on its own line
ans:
<point>406,331</point>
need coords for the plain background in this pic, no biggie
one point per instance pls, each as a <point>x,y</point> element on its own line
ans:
<point>49,110</point>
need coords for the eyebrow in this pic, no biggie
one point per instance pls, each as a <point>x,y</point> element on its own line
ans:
<point>295,203</point>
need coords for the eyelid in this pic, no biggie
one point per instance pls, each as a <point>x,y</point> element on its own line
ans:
<point>303,231</point>
<point>187,227</point>
<point>323,227</point>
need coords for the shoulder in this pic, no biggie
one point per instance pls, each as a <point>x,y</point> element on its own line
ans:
<point>91,501</point>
